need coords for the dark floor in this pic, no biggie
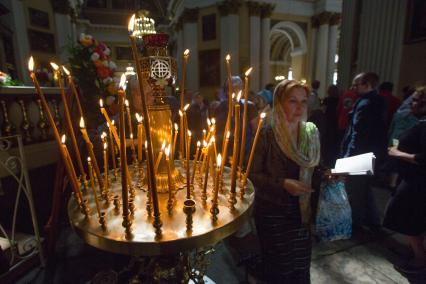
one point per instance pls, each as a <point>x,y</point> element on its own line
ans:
<point>365,258</point>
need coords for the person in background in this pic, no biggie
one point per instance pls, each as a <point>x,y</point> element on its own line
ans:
<point>366,132</point>
<point>346,102</point>
<point>392,102</point>
<point>314,102</point>
<point>402,120</point>
<point>285,157</point>
<point>406,211</point>
<point>331,141</point>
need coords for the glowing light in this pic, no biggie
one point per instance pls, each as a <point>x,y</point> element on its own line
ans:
<point>262,115</point>
<point>131,24</point>
<point>122,84</point>
<point>54,66</point>
<point>219,160</point>
<point>63,139</point>
<point>248,71</point>
<point>82,123</point>
<point>65,70</point>
<point>228,57</point>
<point>31,64</point>
<point>101,103</point>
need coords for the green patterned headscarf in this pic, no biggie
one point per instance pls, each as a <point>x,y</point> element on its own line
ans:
<point>303,150</point>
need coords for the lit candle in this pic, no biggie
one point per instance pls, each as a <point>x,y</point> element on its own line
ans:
<point>169,172</point>
<point>182,84</point>
<point>185,121</point>
<point>203,157</point>
<point>230,90</point>
<point>174,141</point>
<point>182,137</point>
<point>206,174</point>
<point>112,150</point>
<point>89,147</point>
<point>123,157</point>
<point>243,137</point>
<point>74,90</point>
<point>92,183</point>
<point>188,178</point>
<point>216,184</point>
<point>69,122</point>
<point>140,134</point>
<point>105,165</point>
<point>160,156</point>
<point>213,139</point>
<point>69,166</point>
<point>129,121</point>
<point>75,186</point>
<point>204,134</point>
<point>225,152</point>
<point>256,137</point>
<point>194,167</point>
<point>235,149</point>
<point>114,131</point>
<point>157,221</point>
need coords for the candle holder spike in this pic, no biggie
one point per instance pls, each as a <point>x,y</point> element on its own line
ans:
<point>102,220</point>
<point>189,209</point>
<point>117,204</point>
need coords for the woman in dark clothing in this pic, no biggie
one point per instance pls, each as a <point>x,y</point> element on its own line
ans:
<point>282,169</point>
<point>406,211</point>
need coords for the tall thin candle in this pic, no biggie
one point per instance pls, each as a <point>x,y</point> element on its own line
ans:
<point>69,123</point>
<point>74,90</point>
<point>235,148</point>
<point>194,167</point>
<point>182,84</point>
<point>244,129</point>
<point>46,108</point>
<point>123,157</point>
<point>188,178</point>
<point>256,137</point>
<point>129,122</point>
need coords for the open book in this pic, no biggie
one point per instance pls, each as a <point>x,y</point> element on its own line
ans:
<point>356,165</point>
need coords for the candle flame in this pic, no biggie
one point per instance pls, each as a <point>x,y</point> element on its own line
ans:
<point>262,115</point>
<point>88,159</point>
<point>167,151</point>
<point>113,122</point>
<point>233,95</point>
<point>239,96</point>
<point>248,71</point>
<point>122,84</point>
<point>146,144</point>
<point>105,146</point>
<point>213,121</point>
<point>131,24</point>
<point>185,107</point>
<point>205,143</point>
<point>228,134</point>
<point>54,66</point>
<point>163,145</point>
<point>228,57</point>
<point>176,127</point>
<point>63,139</point>
<point>180,113</point>
<point>126,102</point>
<point>139,118</point>
<point>209,122</point>
<point>104,134</point>
<point>198,144</point>
<point>186,52</point>
<point>66,70</point>
<point>204,131</point>
<point>31,64</point>
<point>131,135</point>
<point>189,133</point>
<point>101,103</point>
<point>212,140</point>
<point>81,122</point>
<point>219,160</point>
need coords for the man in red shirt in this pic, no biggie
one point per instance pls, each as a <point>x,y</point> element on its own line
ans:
<point>392,102</point>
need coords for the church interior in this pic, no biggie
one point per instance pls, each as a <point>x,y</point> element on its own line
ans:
<point>131,134</point>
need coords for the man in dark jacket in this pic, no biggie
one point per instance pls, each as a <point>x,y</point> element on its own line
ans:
<point>366,132</point>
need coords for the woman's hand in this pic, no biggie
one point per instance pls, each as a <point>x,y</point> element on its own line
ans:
<point>394,152</point>
<point>296,187</point>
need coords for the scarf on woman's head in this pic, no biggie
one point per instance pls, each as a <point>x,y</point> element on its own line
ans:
<point>303,150</point>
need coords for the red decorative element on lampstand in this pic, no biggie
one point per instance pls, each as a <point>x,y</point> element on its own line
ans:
<point>156,40</point>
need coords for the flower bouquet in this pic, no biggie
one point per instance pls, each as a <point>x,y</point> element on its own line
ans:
<point>91,65</point>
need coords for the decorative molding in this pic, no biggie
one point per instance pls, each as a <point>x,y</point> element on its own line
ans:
<point>255,8</point>
<point>335,19</point>
<point>315,22</point>
<point>189,15</point>
<point>228,7</point>
<point>324,18</point>
<point>266,10</point>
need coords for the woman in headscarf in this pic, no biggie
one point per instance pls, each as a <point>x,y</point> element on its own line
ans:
<point>285,158</point>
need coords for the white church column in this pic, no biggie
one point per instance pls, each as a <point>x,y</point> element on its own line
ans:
<point>64,31</point>
<point>332,46</point>
<point>229,37</point>
<point>190,39</point>
<point>265,44</point>
<point>254,17</point>
<point>322,52</point>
